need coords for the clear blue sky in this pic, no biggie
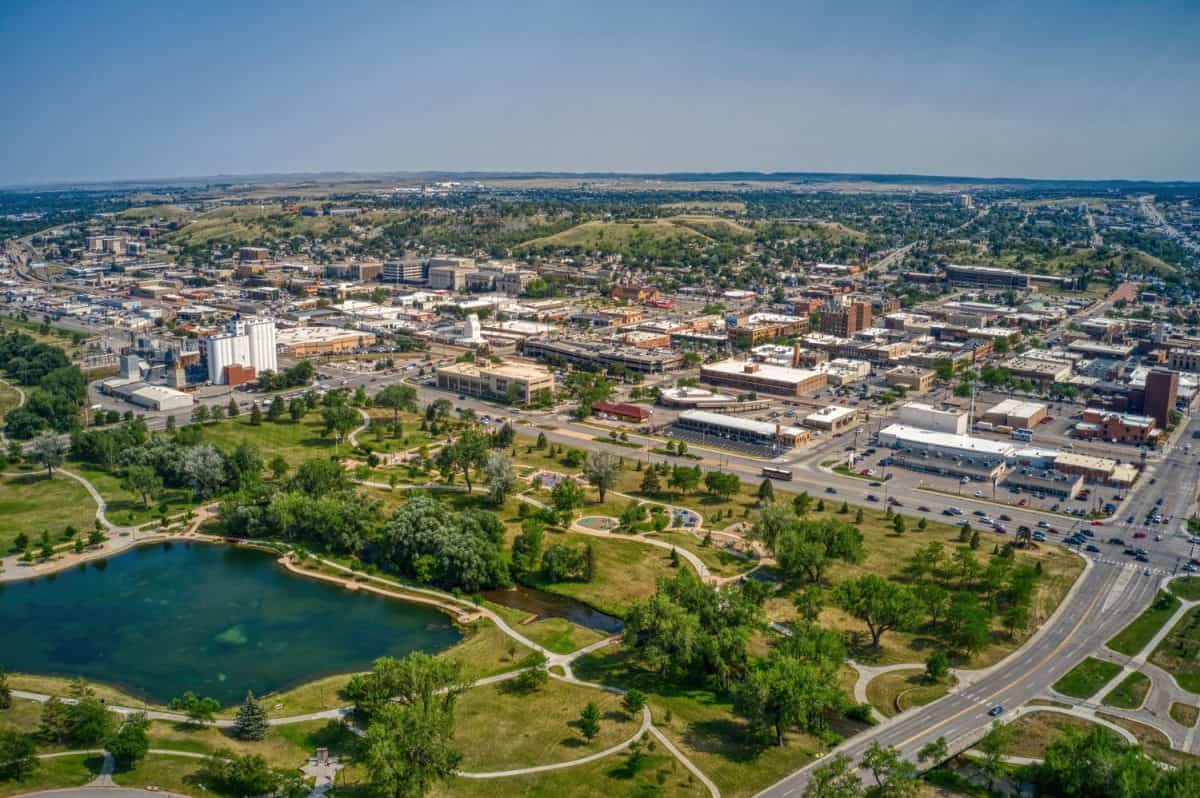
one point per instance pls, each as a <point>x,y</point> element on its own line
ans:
<point>99,90</point>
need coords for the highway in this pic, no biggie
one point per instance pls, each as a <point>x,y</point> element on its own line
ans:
<point>1111,592</point>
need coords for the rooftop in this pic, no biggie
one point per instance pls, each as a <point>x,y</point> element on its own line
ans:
<point>733,422</point>
<point>946,440</point>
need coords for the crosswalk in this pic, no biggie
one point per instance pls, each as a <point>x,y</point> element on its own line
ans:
<point>1132,565</point>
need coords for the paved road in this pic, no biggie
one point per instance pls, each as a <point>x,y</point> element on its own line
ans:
<point>1109,594</point>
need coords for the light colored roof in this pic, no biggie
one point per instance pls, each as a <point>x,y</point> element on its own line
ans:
<point>761,370</point>
<point>733,422</point>
<point>831,413</point>
<point>945,440</point>
<point>1085,461</point>
<point>1016,407</point>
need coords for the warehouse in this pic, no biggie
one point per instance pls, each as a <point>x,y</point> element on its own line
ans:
<point>1016,413</point>
<point>944,453</point>
<point>742,430</point>
<point>303,341</point>
<point>157,397</point>
<point>763,378</point>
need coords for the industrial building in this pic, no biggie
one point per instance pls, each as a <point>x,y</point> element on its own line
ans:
<point>306,341</point>
<point>763,378</point>
<point>516,382</point>
<point>928,417</point>
<point>247,346</point>
<point>1016,413</point>
<point>741,430</point>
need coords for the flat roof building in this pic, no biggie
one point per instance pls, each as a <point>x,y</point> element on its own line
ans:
<point>741,430</point>
<point>928,417</point>
<point>763,377</point>
<point>833,418</point>
<point>1016,413</point>
<point>516,382</point>
<point>304,341</point>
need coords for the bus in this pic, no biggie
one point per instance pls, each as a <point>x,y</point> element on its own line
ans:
<point>776,473</point>
<point>1023,434</point>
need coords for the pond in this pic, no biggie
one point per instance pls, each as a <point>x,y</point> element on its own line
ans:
<point>550,605</point>
<point>216,620</point>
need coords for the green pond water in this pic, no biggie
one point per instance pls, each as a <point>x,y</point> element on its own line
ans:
<point>216,620</point>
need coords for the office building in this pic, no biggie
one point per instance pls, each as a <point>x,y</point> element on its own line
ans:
<point>1162,390</point>
<point>405,271</point>
<point>741,430</point>
<point>844,321</point>
<point>763,378</point>
<point>516,382</point>
<point>985,277</point>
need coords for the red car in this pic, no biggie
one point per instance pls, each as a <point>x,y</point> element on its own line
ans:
<point>1139,534</point>
<point>1097,523</point>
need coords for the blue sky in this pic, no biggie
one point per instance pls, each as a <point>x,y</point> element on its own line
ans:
<point>105,90</point>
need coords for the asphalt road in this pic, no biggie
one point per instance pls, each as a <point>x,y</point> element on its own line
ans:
<point>1110,593</point>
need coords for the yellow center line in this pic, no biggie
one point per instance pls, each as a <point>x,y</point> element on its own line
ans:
<point>1019,680</point>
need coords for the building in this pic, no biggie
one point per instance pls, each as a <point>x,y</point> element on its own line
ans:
<point>514,282</point>
<point>1118,427</point>
<point>985,277</point>
<point>606,356</point>
<point>223,351</point>
<point>759,327</point>
<point>253,253</point>
<point>515,382</point>
<point>928,417</point>
<point>633,292</point>
<point>945,453</point>
<point>622,411</point>
<point>833,418</point>
<point>695,398</point>
<point>405,271</point>
<point>447,278</point>
<point>912,378</point>
<point>846,320</point>
<point>1038,369</point>
<point>260,334</point>
<point>763,378</point>
<point>1184,359</point>
<point>843,371</point>
<point>305,341</point>
<point>158,397</point>
<point>1162,391</point>
<point>741,430</point>
<point>1093,469</point>
<point>1016,413</point>
<point>248,343</point>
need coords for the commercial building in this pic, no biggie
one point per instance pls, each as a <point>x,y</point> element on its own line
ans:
<point>833,418</point>
<point>622,411</point>
<point>843,371</point>
<point>1119,427</point>
<point>1184,359</point>
<point>928,417</point>
<point>740,430</point>
<point>763,378</point>
<point>305,341</point>
<point>158,397</point>
<point>516,382</point>
<point>985,277</point>
<point>1038,369</point>
<point>846,320</point>
<point>696,398</point>
<point>1016,413</point>
<point>759,327</point>
<point>912,378</point>
<point>1093,469</point>
<point>405,271</point>
<point>644,361</point>
<point>1162,391</point>
<point>945,453</point>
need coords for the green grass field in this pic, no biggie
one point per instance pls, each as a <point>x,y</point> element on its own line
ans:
<point>1134,637</point>
<point>31,503</point>
<point>1186,587</point>
<point>1177,653</point>
<point>60,771</point>
<point>896,691</point>
<point>295,441</point>
<point>1086,678</point>
<point>1130,693</point>
<point>618,236</point>
<point>9,399</point>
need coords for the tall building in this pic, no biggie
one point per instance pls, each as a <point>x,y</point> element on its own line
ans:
<point>249,344</point>
<point>846,320</point>
<point>1162,387</point>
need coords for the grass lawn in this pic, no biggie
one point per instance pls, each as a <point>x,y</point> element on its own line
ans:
<point>1184,714</point>
<point>177,774</point>
<point>22,716</point>
<point>1177,653</point>
<point>1087,677</point>
<point>718,560</point>
<point>894,692</point>
<point>61,686</point>
<point>703,725</point>
<point>59,771</point>
<point>559,635</point>
<point>32,504</point>
<point>485,651</point>
<point>1156,744</point>
<point>126,507</point>
<point>1134,637</point>
<point>283,747</point>
<point>1130,693</point>
<point>294,441</point>
<point>498,729</point>
<point>1036,730</point>
<point>411,435</point>
<point>625,572</point>
<point>610,237</point>
<point>1186,587</point>
<point>9,399</point>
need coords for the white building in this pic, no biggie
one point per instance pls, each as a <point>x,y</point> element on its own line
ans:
<point>261,336</point>
<point>250,343</point>
<point>928,417</point>
<point>947,446</point>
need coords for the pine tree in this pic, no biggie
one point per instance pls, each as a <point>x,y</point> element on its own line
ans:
<point>650,483</point>
<point>255,416</point>
<point>251,723</point>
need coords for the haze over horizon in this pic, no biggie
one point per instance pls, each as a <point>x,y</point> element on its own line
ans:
<point>1068,90</point>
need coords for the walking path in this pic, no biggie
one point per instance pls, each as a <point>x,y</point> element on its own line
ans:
<point>20,402</point>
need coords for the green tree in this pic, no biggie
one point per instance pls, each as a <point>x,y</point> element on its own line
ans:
<point>232,410</point>
<point>600,469</point>
<point>251,720</point>
<point>48,451</point>
<point>339,419</point>
<point>895,776</point>
<point>589,721</point>
<point>882,605</point>
<point>782,692</point>
<point>397,398</point>
<point>937,666</point>
<point>89,722</point>
<point>567,495</point>
<point>650,482</point>
<point>469,451</point>
<point>898,524</point>
<point>130,743</point>
<point>995,745</point>
<point>18,755</point>
<point>766,492</point>
<point>197,709</point>
<point>934,752</point>
<point>802,503</point>
<point>527,548</point>
<point>278,467</point>
<point>500,477</point>
<point>633,701</point>
<point>256,416</point>
<point>144,481</point>
<point>835,778</point>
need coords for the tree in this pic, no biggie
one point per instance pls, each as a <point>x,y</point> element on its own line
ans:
<point>5,691</point>
<point>197,709</point>
<point>834,779</point>
<point>468,451</point>
<point>766,491</point>
<point>722,484</point>
<point>249,774</point>
<point>589,721</point>
<point>995,745</point>
<point>633,701</point>
<point>898,524</point>
<point>256,416</point>
<point>650,482</point>
<point>397,398</point>
<point>339,419</point>
<point>566,495</point>
<point>802,503</point>
<point>278,467</point>
<point>894,775</point>
<point>934,752</point>
<point>203,468</point>
<point>881,604</point>
<point>527,548</point>
<point>48,451</point>
<point>200,414</point>
<point>967,626</point>
<point>600,469</point>
<point>533,673</point>
<point>781,692</point>
<point>232,410</point>
<point>88,722</point>
<point>562,562</point>
<point>54,725</point>
<point>500,477</point>
<point>276,409</point>
<point>937,666</point>
<point>251,721</point>
<point>296,409</point>
<point>18,755</point>
<point>684,479</point>
<point>418,680</point>
<point>131,743</point>
<point>144,481</point>
<point>806,548</point>
<point>429,541</point>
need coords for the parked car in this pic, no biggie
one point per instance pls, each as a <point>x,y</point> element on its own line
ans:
<point>1139,535</point>
<point>1092,548</point>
